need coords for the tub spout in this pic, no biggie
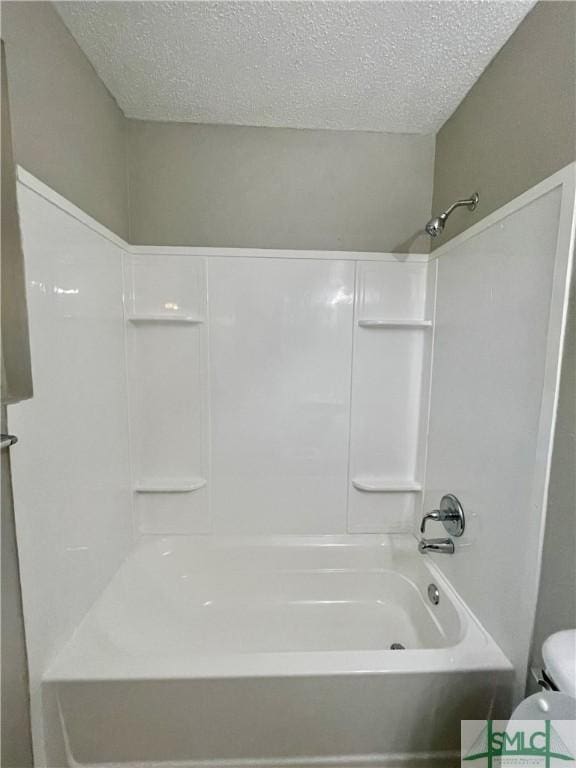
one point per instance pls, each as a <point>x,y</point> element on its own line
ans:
<point>443,546</point>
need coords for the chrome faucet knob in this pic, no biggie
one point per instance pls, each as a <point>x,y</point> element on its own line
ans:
<point>436,514</point>
<point>450,513</point>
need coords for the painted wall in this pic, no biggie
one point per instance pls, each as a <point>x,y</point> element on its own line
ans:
<point>278,188</point>
<point>67,129</point>
<point>16,740</point>
<point>556,603</point>
<point>203,184</point>
<point>517,124</point>
<point>16,385</point>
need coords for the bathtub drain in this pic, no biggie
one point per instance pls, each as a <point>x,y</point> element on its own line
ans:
<point>397,647</point>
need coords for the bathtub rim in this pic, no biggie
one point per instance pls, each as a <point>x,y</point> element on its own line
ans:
<point>475,650</point>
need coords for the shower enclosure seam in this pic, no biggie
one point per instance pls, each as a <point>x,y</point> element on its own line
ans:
<point>127,288</point>
<point>351,396</point>
<point>426,431</point>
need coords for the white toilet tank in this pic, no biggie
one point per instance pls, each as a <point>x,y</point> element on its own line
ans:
<point>559,655</point>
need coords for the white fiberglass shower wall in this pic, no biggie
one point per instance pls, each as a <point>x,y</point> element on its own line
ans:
<point>500,318</point>
<point>236,398</point>
<point>277,394</point>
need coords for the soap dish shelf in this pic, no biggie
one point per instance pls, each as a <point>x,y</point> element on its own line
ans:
<point>383,323</point>
<point>170,486</point>
<point>172,319</point>
<point>373,485</point>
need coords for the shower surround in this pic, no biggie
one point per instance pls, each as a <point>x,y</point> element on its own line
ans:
<point>219,480</point>
<point>277,393</point>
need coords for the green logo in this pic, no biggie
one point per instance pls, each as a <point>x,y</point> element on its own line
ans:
<point>544,743</point>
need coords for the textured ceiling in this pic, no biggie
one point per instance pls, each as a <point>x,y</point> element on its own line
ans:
<point>377,65</point>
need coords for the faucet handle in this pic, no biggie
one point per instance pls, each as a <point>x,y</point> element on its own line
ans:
<point>450,513</point>
<point>436,514</point>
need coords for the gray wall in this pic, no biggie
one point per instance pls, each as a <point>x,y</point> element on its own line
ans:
<point>198,184</point>
<point>16,375</point>
<point>557,598</point>
<point>16,751</point>
<point>516,126</point>
<point>278,188</point>
<point>68,130</point>
<point>15,712</point>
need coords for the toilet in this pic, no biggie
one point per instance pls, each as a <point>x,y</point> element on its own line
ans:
<point>558,703</point>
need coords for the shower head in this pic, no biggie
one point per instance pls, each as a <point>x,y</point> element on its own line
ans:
<point>436,225</point>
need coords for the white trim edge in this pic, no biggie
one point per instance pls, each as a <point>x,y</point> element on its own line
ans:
<point>562,177</point>
<point>404,760</point>
<point>277,253</point>
<point>40,188</point>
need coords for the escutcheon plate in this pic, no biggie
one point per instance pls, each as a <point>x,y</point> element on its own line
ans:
<point>454,522</point>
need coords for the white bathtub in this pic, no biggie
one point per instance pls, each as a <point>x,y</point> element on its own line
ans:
<point>272,651</point>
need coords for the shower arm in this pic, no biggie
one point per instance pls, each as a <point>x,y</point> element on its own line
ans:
<point>470,203</point>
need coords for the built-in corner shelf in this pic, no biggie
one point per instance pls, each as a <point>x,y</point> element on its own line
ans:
<point>395,323</point>
<point>170,486</point>
<point>174,319</point>
<point>374,485</point>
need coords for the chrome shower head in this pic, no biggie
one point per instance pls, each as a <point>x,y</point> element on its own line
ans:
<point>436,225</point>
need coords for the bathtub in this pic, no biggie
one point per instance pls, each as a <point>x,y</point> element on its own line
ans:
<point>272,651</point>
